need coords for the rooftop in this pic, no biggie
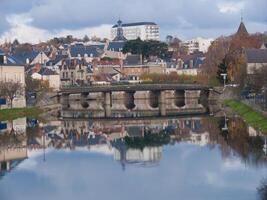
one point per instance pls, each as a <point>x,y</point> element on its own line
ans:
<point>256,55</point>
<point>135,24</point>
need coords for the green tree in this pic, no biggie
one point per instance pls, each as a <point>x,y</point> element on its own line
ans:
<point>146,48</point>
<point>222,69</point>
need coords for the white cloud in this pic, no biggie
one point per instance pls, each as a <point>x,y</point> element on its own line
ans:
<point>231,7</point>
<point>21,28</point>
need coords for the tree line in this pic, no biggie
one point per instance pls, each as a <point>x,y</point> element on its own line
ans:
<point>146,48</point>
<point>10,90</point>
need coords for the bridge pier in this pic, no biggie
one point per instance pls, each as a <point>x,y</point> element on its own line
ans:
<point>107,104</point>
<point>117,99</point>
<point>84,102</point>
<point>162,103</point>
<point>65,101</point>
<point>192,99</point>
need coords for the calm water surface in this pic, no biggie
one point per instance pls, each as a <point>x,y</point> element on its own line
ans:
<point>152,158</point>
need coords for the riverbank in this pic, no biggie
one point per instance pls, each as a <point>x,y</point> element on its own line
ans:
<point>252,117</point>
<point>14,113</point>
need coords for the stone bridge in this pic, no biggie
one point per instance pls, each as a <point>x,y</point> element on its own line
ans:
<point>159,98</point>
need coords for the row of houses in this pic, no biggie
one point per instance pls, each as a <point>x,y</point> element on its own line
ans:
<point>99,63</point>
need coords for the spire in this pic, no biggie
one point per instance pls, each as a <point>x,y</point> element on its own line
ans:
<point>120,36</point>
<point>242,30</point>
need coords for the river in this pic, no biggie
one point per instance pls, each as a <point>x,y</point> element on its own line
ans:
<point>171,157</point>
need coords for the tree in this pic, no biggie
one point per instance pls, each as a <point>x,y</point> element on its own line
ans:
<point>258,80</point>
<point>35,85</point>
<point>146,48</point>
<point>222,69</point>
<point>10,90</point>
<point>169,39</point>
<point>86,38</point>
<point>15,42</point>
<point>214,57</point>
<point>262,190</point>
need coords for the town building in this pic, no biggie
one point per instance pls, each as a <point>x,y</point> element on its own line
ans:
<point>134,66</point>
<point>46,74</point>
<point>256,59</point>
<point>31,57</point>
<point>186,64</point>
<point>89,53</point>
<point>75,72</point>
<point>197,45</point>
<point>132,31</point>
<point>10,71</point>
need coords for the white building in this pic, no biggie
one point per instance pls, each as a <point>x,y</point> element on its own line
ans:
<point>142,30</point>
<point>10,71</point>
<point>197,44</point>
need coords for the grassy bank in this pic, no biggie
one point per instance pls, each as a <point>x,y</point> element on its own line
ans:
<point>9,114</point>
<point>252,117</point>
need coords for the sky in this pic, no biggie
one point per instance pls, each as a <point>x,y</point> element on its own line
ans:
<point>185,171</point>
<point>39,20</point>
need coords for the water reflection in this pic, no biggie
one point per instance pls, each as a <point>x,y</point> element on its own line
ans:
<point>178,152</point>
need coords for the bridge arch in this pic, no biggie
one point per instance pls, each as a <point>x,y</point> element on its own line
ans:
<point>179,98</point>
<point>129,100</point>
<point>154,99</point>
<point>84,102</point>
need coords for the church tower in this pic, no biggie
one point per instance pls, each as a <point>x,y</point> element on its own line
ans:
<point>120,36</point>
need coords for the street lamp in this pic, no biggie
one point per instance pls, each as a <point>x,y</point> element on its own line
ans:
<point>265,146</point>
<point>225,128</point>
<point>224,79</point>
<point>264,98</point>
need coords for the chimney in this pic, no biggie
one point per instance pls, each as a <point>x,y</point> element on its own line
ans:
<point>191,65</point>
<point>5,59</point>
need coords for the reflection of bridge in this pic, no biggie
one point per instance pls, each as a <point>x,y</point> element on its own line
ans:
<point>161,98</point>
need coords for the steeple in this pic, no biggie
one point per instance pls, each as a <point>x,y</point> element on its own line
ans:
<point>242,30</point>
<point>120,36</point>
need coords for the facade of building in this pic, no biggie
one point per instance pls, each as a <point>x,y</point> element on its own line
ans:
<point>46,74</point>
<point>197,44</point>
<point>256,59</point>
<point>10,71</point>
<point>142,30</point>
<point>75,71</point>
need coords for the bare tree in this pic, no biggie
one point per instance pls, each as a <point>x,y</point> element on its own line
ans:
<point>262,190</point>
<point>258,80</point>
<point>10,90</point>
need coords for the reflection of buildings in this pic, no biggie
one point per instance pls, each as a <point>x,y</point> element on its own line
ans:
<point>11,157</point>
<point>13,144</point>
<point>17,126</point>
<point>109,135</point>
<point>146,155</point>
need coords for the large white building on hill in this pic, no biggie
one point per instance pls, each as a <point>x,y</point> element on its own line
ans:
<point>142,30</point>
<point>10,71</point>
<point>197,44</point>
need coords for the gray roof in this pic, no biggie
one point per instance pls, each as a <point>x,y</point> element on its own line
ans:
<point>256,55</point>
<point>10,59</point>
<point>135,24</point>
<point>57,59</point>
<point>82,50</point>
<point>132,60</point>
<point>22,57</point>
<point>116,46</point>
<point>46,71</point>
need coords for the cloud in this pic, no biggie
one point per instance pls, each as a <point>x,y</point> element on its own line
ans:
<point>21,28</point>
<point>231,7</point>
<point>209,18</point>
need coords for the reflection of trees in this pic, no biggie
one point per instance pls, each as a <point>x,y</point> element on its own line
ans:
<point>10,139</point>
<point>262,190</point>
<point>237,141</point>
<point>149,139</point>
<point>248,148</point>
